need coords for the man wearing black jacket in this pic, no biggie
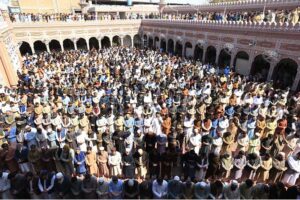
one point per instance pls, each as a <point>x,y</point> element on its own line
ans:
<point>62,186</point>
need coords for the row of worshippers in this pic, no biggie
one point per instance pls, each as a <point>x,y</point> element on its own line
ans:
<point>192,112</point>
<point>57,186</point>
<point>262,168</point>
<point>276,16</point>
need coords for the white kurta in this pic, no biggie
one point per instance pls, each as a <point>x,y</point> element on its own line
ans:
<point>114,162</point>
<point>293,172</point>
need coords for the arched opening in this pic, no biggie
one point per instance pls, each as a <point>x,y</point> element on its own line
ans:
<point>156,43</point>
<point>163,44</point>
<point>260,68</point>
<point>224,58</point>
<point>241,63</point>
<point>68,44</point>
<point>284,73</point>
<point>171,46</point>
<point>116,41</point>
<point>145,42</point>
<point>150,45</point>
<point>93,43</point>
<point>198,52</point>
<point>127,41</point>
<point>25,48</point>
<point>210,56</point>
<point>178,48</point>
<point>81,44</point>
<point>54,45</point>
<point>39,46</point>
<point>137,41</point>
<point>188,50</point>
<point>105,42</point>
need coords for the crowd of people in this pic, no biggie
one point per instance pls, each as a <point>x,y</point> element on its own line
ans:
<point>30,17</point>
<point>135,123</point>
<point>277,16</point>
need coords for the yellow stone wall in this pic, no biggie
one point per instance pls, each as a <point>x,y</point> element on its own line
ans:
<point>48,6</point>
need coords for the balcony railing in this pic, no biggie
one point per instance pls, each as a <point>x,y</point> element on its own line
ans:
<point>237,5</point>
<point>229,24</point>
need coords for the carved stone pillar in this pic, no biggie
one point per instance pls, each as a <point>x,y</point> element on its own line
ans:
<point>297,79</point>
<point>47,46</point>
<point>87,44</point>
<point>271,70</point>
<point>75,43</point>
<point>217,56</point>
<point>204,53</point>
<point>99,41</point>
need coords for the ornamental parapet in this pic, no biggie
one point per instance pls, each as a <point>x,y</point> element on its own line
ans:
<point>246,5</point>
<point>225,25</point>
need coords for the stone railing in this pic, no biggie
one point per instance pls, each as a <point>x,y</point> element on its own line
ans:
<point>264,26</point>
<point>77,23</point>
<point>236,5</point>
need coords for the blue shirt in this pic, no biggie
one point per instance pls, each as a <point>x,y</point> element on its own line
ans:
<point>116,187</point>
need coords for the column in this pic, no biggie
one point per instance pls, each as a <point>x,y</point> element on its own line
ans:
<point>62,46</point>
<point>271,70</point>
<point>75,43</point>
<point>32,48</point>
<point>217,56</point>
<point>232,55</point>
<point>167,50</point>
<point>87,44</point>
<point>121,40</point>
<point>204,53</point>
<point>193,51</point>
<point>297,80</point>
<point>174,46</point>
<point>131,39</point>
<point>47,46</point>
<point>99,41</point>
<point>183,50</point>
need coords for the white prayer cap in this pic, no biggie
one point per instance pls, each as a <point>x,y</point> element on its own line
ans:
<point>176,178</point>
<point>101,180</point>
<point>59,175</point>
<point>130,182</point>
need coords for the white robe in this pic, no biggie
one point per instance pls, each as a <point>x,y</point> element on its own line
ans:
<point>293,172</point>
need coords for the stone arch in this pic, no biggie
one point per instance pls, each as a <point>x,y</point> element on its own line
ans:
<point>241,63</point>
<point>198,52</point>
<point>260,68</point>
<point>156,42</point>
<point>284,73</point>
<point>224,58</point>
<point>93,43</point>
<point>54,45</point>
<point>105,42</point>
<point>170,46</point>
<point>163,44</point>
<point>145,40</point>
<point>211,54</point>
<point>25,48</point>
<point>39,46</point>
<point>188,50</point>
<point>150,45</point>
<point>178,48</point>
<point>81,44</point>
<point>137,41</point>
<point>127,41</point>
<point>116,41</point>
<point>68,44</point>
